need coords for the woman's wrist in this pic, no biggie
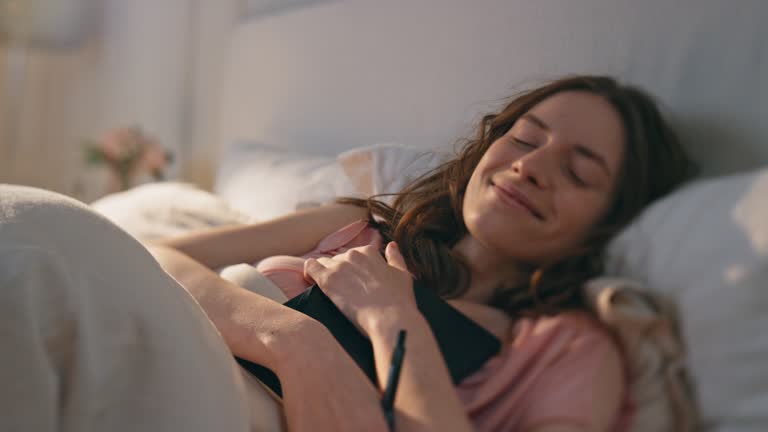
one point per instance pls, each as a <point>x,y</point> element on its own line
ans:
<point>385,326</point>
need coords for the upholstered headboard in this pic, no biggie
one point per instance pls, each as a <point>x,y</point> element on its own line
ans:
<point>339,74</point>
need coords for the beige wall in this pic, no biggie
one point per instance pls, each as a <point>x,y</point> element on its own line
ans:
<point>214,31</point>
<point>33,154</point>
<point>133,72</point>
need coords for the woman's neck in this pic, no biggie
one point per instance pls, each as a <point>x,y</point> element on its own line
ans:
<point>488,271</point>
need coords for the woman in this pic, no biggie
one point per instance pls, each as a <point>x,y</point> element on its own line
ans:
<point>508,230</point>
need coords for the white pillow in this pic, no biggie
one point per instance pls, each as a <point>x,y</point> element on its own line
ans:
<point>166,209</point>
<point>388,167</point>
<point>265,182</point>
<point>706,247</point>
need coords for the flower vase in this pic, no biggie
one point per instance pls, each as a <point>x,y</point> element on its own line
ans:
<point>117,182</point>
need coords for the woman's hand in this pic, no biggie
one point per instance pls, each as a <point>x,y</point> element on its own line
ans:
<point>376,293</point>
<point>365,286</point>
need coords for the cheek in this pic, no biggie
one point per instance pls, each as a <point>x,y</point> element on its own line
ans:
<point>484,168</point>
<point>471,200</point>
<point>582,211</point>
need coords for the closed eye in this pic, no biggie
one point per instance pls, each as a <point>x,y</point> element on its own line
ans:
<point>569,170</point>
<point>524,144</point>
<point>572,174</point>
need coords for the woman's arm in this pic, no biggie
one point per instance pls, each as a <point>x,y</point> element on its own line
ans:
<point>323,387</point>
<point>190,258</point>
<point>311,365</point>
<point>292,234</point>
<point>247,321</point>
<point>426,399</point>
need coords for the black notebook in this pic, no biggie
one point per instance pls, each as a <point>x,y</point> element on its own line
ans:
<point>465,345</point>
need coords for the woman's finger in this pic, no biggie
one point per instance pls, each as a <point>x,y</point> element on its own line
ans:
<point>325,261</point>
<point>394,257</point>
<point>313,269</point>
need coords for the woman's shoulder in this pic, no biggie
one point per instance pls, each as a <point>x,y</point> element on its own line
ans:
<point>574,341</point>
<point>577,327</point>
<point>561,368</point>
<point>584,375</point>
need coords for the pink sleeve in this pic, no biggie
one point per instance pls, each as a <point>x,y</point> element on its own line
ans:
<point>563,392</point>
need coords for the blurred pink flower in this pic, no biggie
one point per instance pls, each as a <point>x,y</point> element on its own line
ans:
<point>123,143</point>
<point>129,152</point>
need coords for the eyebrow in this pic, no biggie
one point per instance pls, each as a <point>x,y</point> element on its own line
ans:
<point>586,151</point>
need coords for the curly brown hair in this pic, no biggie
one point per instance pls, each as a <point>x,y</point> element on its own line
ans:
<point>426,217</point>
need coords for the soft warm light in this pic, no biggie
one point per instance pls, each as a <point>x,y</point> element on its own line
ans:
<point>735,274</point>
<point>46,23</point>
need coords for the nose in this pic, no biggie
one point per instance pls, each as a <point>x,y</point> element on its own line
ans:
<point>532,167</point>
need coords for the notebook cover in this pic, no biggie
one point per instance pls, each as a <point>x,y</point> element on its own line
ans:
<point>465,345</point>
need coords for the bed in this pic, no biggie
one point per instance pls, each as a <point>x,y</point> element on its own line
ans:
<point>355,97</point>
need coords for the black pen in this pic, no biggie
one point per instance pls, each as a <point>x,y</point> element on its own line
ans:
<point>388,400</point>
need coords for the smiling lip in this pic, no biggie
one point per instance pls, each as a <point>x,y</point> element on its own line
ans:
<point>512,196</point>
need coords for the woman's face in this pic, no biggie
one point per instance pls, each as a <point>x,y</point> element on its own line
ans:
<point>540,188</point>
